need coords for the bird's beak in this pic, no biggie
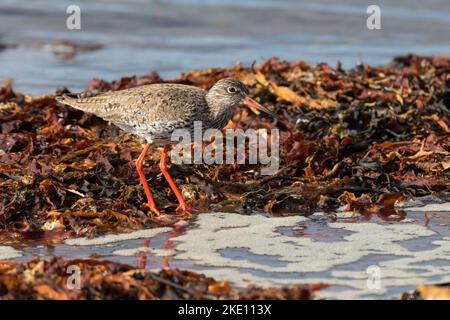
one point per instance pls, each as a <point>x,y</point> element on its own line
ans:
<point>256,107</point>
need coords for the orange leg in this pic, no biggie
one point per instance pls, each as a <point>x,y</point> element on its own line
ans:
<point>163,166</point>
<point>151,203</point>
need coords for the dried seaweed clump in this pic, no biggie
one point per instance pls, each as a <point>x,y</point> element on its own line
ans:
<point>51,279</point>
<point>365,137</point>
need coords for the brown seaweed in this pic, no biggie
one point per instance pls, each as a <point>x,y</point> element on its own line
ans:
<point>51,279</point>
<point>364,137</point>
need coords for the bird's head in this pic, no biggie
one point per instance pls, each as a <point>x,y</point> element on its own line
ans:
<point>229,93</point>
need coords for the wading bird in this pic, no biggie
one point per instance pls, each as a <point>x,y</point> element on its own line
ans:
<point>154,111</point>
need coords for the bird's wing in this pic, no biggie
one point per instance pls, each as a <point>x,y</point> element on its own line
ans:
<point>144,104</point>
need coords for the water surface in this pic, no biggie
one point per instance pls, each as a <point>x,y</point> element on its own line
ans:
<point>269,251</point>
<point>172,36</point>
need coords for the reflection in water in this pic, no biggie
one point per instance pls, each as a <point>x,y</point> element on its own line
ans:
<point>246,249</point>
<point>169,245</point>
<point>143,256</point>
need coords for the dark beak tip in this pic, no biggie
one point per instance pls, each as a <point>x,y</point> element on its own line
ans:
<point>253,104</point>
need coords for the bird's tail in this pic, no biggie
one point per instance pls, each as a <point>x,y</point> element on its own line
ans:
<point>67,98</point>
<point>81,101</point>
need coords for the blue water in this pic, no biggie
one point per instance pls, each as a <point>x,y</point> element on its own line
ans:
<point>172,36</point>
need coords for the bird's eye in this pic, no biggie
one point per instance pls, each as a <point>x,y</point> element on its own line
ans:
<point>231,90</point>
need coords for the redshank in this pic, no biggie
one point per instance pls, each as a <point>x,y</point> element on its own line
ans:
<point>154,111</point>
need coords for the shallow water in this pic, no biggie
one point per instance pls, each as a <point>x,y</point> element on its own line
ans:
<point>272,251</point>
<point>171,36</point>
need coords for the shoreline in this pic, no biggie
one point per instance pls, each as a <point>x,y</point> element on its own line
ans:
<point>362,141</point>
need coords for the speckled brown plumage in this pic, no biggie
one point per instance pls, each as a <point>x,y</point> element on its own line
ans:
<point>154,111</point>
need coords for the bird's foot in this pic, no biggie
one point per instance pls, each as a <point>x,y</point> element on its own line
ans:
<point>185,211</point>
<point>153,209</point>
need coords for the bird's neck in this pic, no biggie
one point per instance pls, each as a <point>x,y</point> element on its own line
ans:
<point>220,112</point>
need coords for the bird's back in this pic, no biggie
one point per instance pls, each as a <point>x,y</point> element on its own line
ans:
<point>150,111</point>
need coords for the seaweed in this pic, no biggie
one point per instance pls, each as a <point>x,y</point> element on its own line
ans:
<point>365,137</point>
<point>53,279</point>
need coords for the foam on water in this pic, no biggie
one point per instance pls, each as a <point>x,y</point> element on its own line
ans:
<point>111,238</point>
<point>319,260</point>
<point>272,251</point>
<point>8,253</point>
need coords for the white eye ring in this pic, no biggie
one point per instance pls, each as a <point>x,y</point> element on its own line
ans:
<point>231,90</point>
